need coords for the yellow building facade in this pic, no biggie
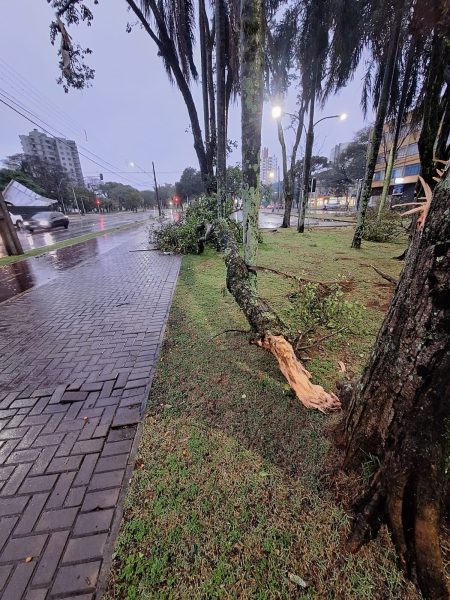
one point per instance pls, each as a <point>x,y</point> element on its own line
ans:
<point>406,165</point>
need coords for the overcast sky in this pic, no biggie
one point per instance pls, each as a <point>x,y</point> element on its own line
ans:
<point>131,113</point>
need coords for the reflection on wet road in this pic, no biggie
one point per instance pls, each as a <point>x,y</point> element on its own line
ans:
<point>79,225</point>
<point>23,275</point>
<point>269,220</point>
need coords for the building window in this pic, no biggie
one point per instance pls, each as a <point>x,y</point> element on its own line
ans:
<point>413,149</point>
<point>401,152</point>
<point>378,175</point>
<point>397,172</point>
<point>412,170</point>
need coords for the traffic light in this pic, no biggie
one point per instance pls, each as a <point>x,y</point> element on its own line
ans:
<point>101,176</point>
<point>97,202</point>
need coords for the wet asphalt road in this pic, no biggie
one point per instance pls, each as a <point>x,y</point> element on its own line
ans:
<point>79,225</point>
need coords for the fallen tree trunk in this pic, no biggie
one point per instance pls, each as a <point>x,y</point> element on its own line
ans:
<point>271,333</point>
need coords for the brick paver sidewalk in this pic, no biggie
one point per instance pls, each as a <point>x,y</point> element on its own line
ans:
<point>76,360</point>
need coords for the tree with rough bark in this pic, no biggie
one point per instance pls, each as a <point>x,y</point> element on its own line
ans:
<point>388,63</point>
<point>281,39</point>
<point>331,39</point>
<point>252,96</point>
<point>399,416</point>
<point>171,27</point>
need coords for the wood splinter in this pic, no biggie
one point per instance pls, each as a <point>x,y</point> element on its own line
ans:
<point>309,394</point>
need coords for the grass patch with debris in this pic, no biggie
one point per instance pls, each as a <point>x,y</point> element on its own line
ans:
<point>230,496</point>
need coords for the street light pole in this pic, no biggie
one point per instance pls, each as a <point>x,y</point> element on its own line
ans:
<point>307,164</point>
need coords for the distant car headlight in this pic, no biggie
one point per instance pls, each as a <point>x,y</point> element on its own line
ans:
<point>43,223</point>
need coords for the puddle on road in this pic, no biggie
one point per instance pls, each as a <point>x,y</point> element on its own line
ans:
<point>37,270</point>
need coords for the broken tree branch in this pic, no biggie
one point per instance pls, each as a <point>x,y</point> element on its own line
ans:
<point>272,332</point>
<point>319,340</point>
<point>324,285</point>
<point>385,275</point>
<point>312,396</point>
<point>230,331</point>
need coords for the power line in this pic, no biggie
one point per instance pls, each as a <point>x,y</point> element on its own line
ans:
<point>43,105</point>
<point>20,80</point>
<point>62,140</point>
<point>14,100</point>
<point>114,170</point>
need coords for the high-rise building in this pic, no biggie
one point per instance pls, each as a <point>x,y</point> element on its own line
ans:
<point>337,151</point>
<point>56,151</point>
<point>269,165</point>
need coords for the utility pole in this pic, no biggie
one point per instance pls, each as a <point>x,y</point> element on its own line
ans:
<point>76,199</point>
<point>156,191</point>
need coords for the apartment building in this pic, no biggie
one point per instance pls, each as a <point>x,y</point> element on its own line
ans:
<point>406,166</point>
<point>57,151</point>
<point>269,166</point>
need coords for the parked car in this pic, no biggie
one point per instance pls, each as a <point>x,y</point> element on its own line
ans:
<point>47,220</point>
<point>17,220</point>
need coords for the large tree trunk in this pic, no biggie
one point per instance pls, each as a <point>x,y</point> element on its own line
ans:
<point>204,49</point>
<point>397,129</point>
<point>307,166</point>
<point>377,131</point>
<point>399,416</point>
<point>220,25</point>
<point>252,89</point>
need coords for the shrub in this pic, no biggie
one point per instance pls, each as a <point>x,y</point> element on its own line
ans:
<point>387,229</point>
<point>313,309</point>
<point>182,237</point>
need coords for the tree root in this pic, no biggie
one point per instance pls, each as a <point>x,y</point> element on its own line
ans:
<point>385,276</point>
<point>411,509</point>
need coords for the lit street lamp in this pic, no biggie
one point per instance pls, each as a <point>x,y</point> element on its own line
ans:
<point>277,113</point>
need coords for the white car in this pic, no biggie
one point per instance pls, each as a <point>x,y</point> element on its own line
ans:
<point>17,220</point>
